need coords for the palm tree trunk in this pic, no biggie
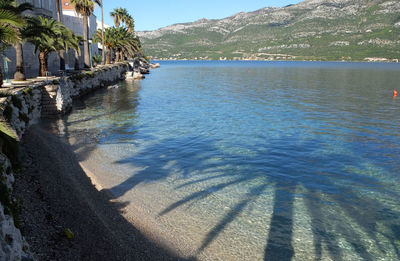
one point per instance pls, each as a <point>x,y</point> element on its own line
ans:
<point>19,59</point>
<point>43,57</point>
<point>103,51</point>
<point>58,10</point>
<point>1,78</point>
<point>117,56</point>
<point>62,52</point>
<point>86,41</point>
<point>76,65</point>
<point>108,56</point>
<point>62,60</point>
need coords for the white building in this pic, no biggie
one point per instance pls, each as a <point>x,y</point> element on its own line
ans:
<point>74,21</point>
<point>48,8</point>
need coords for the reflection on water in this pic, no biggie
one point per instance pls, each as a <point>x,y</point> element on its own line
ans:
<point>252,161</point>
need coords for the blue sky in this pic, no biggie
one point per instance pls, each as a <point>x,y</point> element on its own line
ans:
<point>153,14</point>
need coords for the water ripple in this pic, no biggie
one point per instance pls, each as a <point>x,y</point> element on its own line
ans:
<point>252,161</point>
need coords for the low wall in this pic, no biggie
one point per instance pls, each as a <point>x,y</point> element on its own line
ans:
<point>19,109</point>
<point>57,97</point>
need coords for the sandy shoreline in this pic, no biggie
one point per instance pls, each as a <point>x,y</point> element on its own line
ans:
<point>139,217</point>
<point>58,194</point>
<point>138,209</point>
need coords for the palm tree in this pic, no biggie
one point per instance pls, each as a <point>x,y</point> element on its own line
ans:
<point>120,16</point>
<point>108,39</point>
<point>62,52</point>
<point>116,15</point>
<point>130,23</point>
<point>68,40</point>
<point>79,40</point>
<point>127,44</point>
<point>33,28</point>
<point>19,59</point>
<point>85,8</point>
<point>44,42</point>
<point>58,10</point>
<point>103,53</point>
<point>10,23</point>
<point>119,39</point>
<point>17,9</point>
<point>53,36</point>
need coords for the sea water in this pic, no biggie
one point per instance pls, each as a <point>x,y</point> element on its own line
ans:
<point>254,160</point>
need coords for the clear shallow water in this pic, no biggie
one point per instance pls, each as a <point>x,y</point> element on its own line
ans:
<point>255,160</point>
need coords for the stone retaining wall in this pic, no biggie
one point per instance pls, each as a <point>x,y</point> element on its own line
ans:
<point>19,109</point>
<point>12,244</point>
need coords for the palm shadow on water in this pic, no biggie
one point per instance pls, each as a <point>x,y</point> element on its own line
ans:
<point>269,165</point>
<point>105,106</point>
<point>354,215</point>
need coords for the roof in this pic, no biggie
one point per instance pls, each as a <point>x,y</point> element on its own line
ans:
<point>67,6</point>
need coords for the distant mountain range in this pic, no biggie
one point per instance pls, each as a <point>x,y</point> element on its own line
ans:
<point>311,30</point>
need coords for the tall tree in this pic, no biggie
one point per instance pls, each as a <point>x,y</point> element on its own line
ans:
<point>120,15</point>
<point>18,9</point>
<point>19,74</point>
<point>79,40</point>
<point>66,40</point>
<point>108,39</point>
<point>85,8</point>
<point>58,10</point>
<point>125,43</point>
<point>119,39</point>
<point>130,23</point>
<point>61,52</point>
<point>103,51</point>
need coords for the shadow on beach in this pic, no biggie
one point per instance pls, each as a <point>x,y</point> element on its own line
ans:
<point>58,195</point>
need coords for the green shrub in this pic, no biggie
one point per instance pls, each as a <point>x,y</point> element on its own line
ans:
<point>77,77</point>
<point>96,59</point>
<point>27,91</point>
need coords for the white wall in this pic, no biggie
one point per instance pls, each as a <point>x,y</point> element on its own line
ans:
<point>74,22</point>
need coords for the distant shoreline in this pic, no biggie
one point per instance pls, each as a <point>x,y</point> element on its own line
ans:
<point>212,60</point>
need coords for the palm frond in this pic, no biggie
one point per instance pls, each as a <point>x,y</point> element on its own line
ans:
<point>83,7</point>
<point>11,18</point>
<point>99,2</point>
<point>10,22</point>
<point>8,36</point>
